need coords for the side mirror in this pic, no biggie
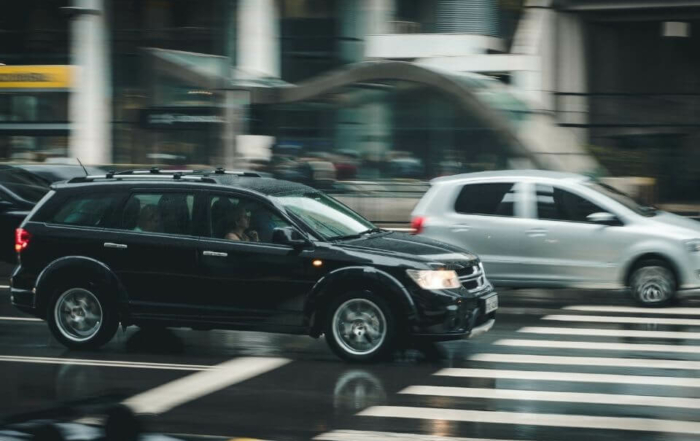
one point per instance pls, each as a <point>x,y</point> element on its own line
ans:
<point>288,236</point>
<point>603,218</point>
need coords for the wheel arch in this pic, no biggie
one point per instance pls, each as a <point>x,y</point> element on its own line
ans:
<point>82,268</point>
<point>634,263</point>
<point>356,278</point>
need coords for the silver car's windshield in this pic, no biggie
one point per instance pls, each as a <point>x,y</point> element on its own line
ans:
<point>326,216</point>
<point>624,199</point>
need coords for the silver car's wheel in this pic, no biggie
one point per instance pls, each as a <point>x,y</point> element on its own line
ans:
<point>359,327</point>
<point>653,285</point>
<point>78,315</point>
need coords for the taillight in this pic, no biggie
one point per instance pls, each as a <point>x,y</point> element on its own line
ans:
<point>22,237</point>
<point>417,224</point>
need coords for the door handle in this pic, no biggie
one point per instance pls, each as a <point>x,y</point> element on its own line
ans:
<point>537,232</point>
<point>460,227</point>
<point>214,254</point>
<point>120,246</point>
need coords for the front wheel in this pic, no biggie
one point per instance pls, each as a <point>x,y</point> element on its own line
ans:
<point>653,284</point>
<point>360,327</point>
<point>80,318</point>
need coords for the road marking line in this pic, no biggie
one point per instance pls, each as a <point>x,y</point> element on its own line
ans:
<point>536,419</point>
<point>360,435</point>
<point>568,377</point>
<point>587,361</point>
<point>563,397</point>
<point>104,363</point>
<point>611,332</point>
<point>22,319</point>
<point>564,344</point>
<point>610,319</point>
<point>630,309</point>
<point>170,395</point>
<point>4,286</point>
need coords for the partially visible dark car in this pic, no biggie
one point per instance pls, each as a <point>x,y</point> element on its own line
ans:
<point>20,190</point>
<point>59,172</point>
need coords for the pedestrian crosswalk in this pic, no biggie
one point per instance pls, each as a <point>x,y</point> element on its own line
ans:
<point>585,372</point>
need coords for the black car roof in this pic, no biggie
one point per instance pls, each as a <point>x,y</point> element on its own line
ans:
<point>248,181</point>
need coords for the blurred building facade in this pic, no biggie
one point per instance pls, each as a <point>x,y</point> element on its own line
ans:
<point>231,82</point>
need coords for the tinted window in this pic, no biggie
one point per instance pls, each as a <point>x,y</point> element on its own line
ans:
<point>169,213</point>
<point>556,204</point>
<point>84,210</point>
<point>240,219</point>
<point>496,199</point>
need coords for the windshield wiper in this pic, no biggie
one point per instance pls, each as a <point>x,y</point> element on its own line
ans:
<point>346,237</point>
<point>649,210</point>
<point>372,231</point>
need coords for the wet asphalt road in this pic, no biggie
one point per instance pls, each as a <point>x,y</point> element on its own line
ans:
<point>558,365</point>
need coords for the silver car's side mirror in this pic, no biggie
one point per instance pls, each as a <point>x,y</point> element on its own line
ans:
<point>603,218</point>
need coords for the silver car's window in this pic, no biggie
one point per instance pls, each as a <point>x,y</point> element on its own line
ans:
<point>494,199</point>
<point>556,204</point>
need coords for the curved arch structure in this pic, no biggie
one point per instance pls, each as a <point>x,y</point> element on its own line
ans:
<point>524,132</point>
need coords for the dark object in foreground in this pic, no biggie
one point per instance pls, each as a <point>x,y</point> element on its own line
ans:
<point>232,250</point>
<point>58,423</point>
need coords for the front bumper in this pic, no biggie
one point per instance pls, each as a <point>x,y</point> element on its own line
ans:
<point>466,318</point>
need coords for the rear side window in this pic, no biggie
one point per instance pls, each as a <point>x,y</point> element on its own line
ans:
<point>169,213</point>
<point>497,199</point>
<point>84,210</point>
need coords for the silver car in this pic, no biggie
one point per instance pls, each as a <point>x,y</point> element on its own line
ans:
<point>546,229</point>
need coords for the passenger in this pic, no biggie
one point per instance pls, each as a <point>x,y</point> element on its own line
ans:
<point>149,219</point>
<point>238,228</point>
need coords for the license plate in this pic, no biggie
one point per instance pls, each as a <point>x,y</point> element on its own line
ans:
<point>491,304</point>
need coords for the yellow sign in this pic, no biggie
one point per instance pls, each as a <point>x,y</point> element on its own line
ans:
<point>35,77</point>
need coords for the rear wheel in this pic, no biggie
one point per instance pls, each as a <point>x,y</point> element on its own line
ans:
<point>653,284</point>
<point>79,317</point>
<point>360,327</point>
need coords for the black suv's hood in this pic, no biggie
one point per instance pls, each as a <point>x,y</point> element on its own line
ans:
<point>410,247</point>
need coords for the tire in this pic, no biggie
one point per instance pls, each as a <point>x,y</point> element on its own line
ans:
<point>369,324</point>
<point>80,317</point>
<point>653,284</point>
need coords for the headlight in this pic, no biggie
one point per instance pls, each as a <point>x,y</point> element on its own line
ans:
<point>693,245</point>
<point>441,279</point>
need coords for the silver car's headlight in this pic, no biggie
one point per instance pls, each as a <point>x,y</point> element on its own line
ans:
<point>693,245</point>
<point>435,279</point>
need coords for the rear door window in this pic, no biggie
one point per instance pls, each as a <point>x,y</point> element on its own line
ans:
<point>159,212</point>
<point>85,210</point>
<point>492,199</point>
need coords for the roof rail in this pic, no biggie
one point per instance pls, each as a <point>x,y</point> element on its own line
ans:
<point>175,176</point>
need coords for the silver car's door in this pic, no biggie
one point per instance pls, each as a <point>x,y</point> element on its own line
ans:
<point>486,218</point>
<point>563,248</point>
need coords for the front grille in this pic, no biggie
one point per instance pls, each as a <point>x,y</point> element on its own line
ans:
<point>472,278</point>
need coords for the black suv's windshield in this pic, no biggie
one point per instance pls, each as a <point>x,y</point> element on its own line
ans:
<point>624,199</point>
<point>326,216</point>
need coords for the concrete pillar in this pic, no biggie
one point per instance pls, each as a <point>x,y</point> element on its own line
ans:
<point>258,37</point>
<point>380,14</point>
<point>91,96</point>
<point>571,72</point>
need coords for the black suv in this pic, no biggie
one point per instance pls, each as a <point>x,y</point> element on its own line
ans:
<point>234,250</point>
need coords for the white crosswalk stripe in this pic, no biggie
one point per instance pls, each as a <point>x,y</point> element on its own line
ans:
<point>567,344</point>
<point>617,319</point>
<point>562,397</point>
<point>622,388</point>
<point>588,361</point>
<point>589,332</point>
<point>536,419</point>
<point>633,310</point>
